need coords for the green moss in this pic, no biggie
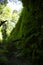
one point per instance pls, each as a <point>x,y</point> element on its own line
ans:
<point>29,29</point>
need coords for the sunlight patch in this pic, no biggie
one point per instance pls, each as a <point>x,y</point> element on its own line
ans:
<point>0,36</point>
<point>11,13</point>
<point>16,7</point>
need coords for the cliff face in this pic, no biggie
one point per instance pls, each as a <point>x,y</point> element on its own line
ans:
<point>30,30</point>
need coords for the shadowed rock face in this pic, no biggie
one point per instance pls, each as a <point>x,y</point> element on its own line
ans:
<point>15,61</point>
<point>33,3</point>
<point>11,59</point>
<point>29,27</point>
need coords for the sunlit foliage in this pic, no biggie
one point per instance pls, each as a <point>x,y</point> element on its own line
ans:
<point>6,13</point>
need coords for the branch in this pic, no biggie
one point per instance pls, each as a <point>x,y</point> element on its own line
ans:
<point>16,40</point>
<point>2,22</point>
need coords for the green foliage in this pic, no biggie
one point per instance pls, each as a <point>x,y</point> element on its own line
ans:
<point>1,8</point>
<point>6,16</point>
<point>29,29</point>
<point>6,13</point>
<point>27,36</point>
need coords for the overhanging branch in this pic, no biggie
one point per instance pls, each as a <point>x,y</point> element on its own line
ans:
<point>2,22</point>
